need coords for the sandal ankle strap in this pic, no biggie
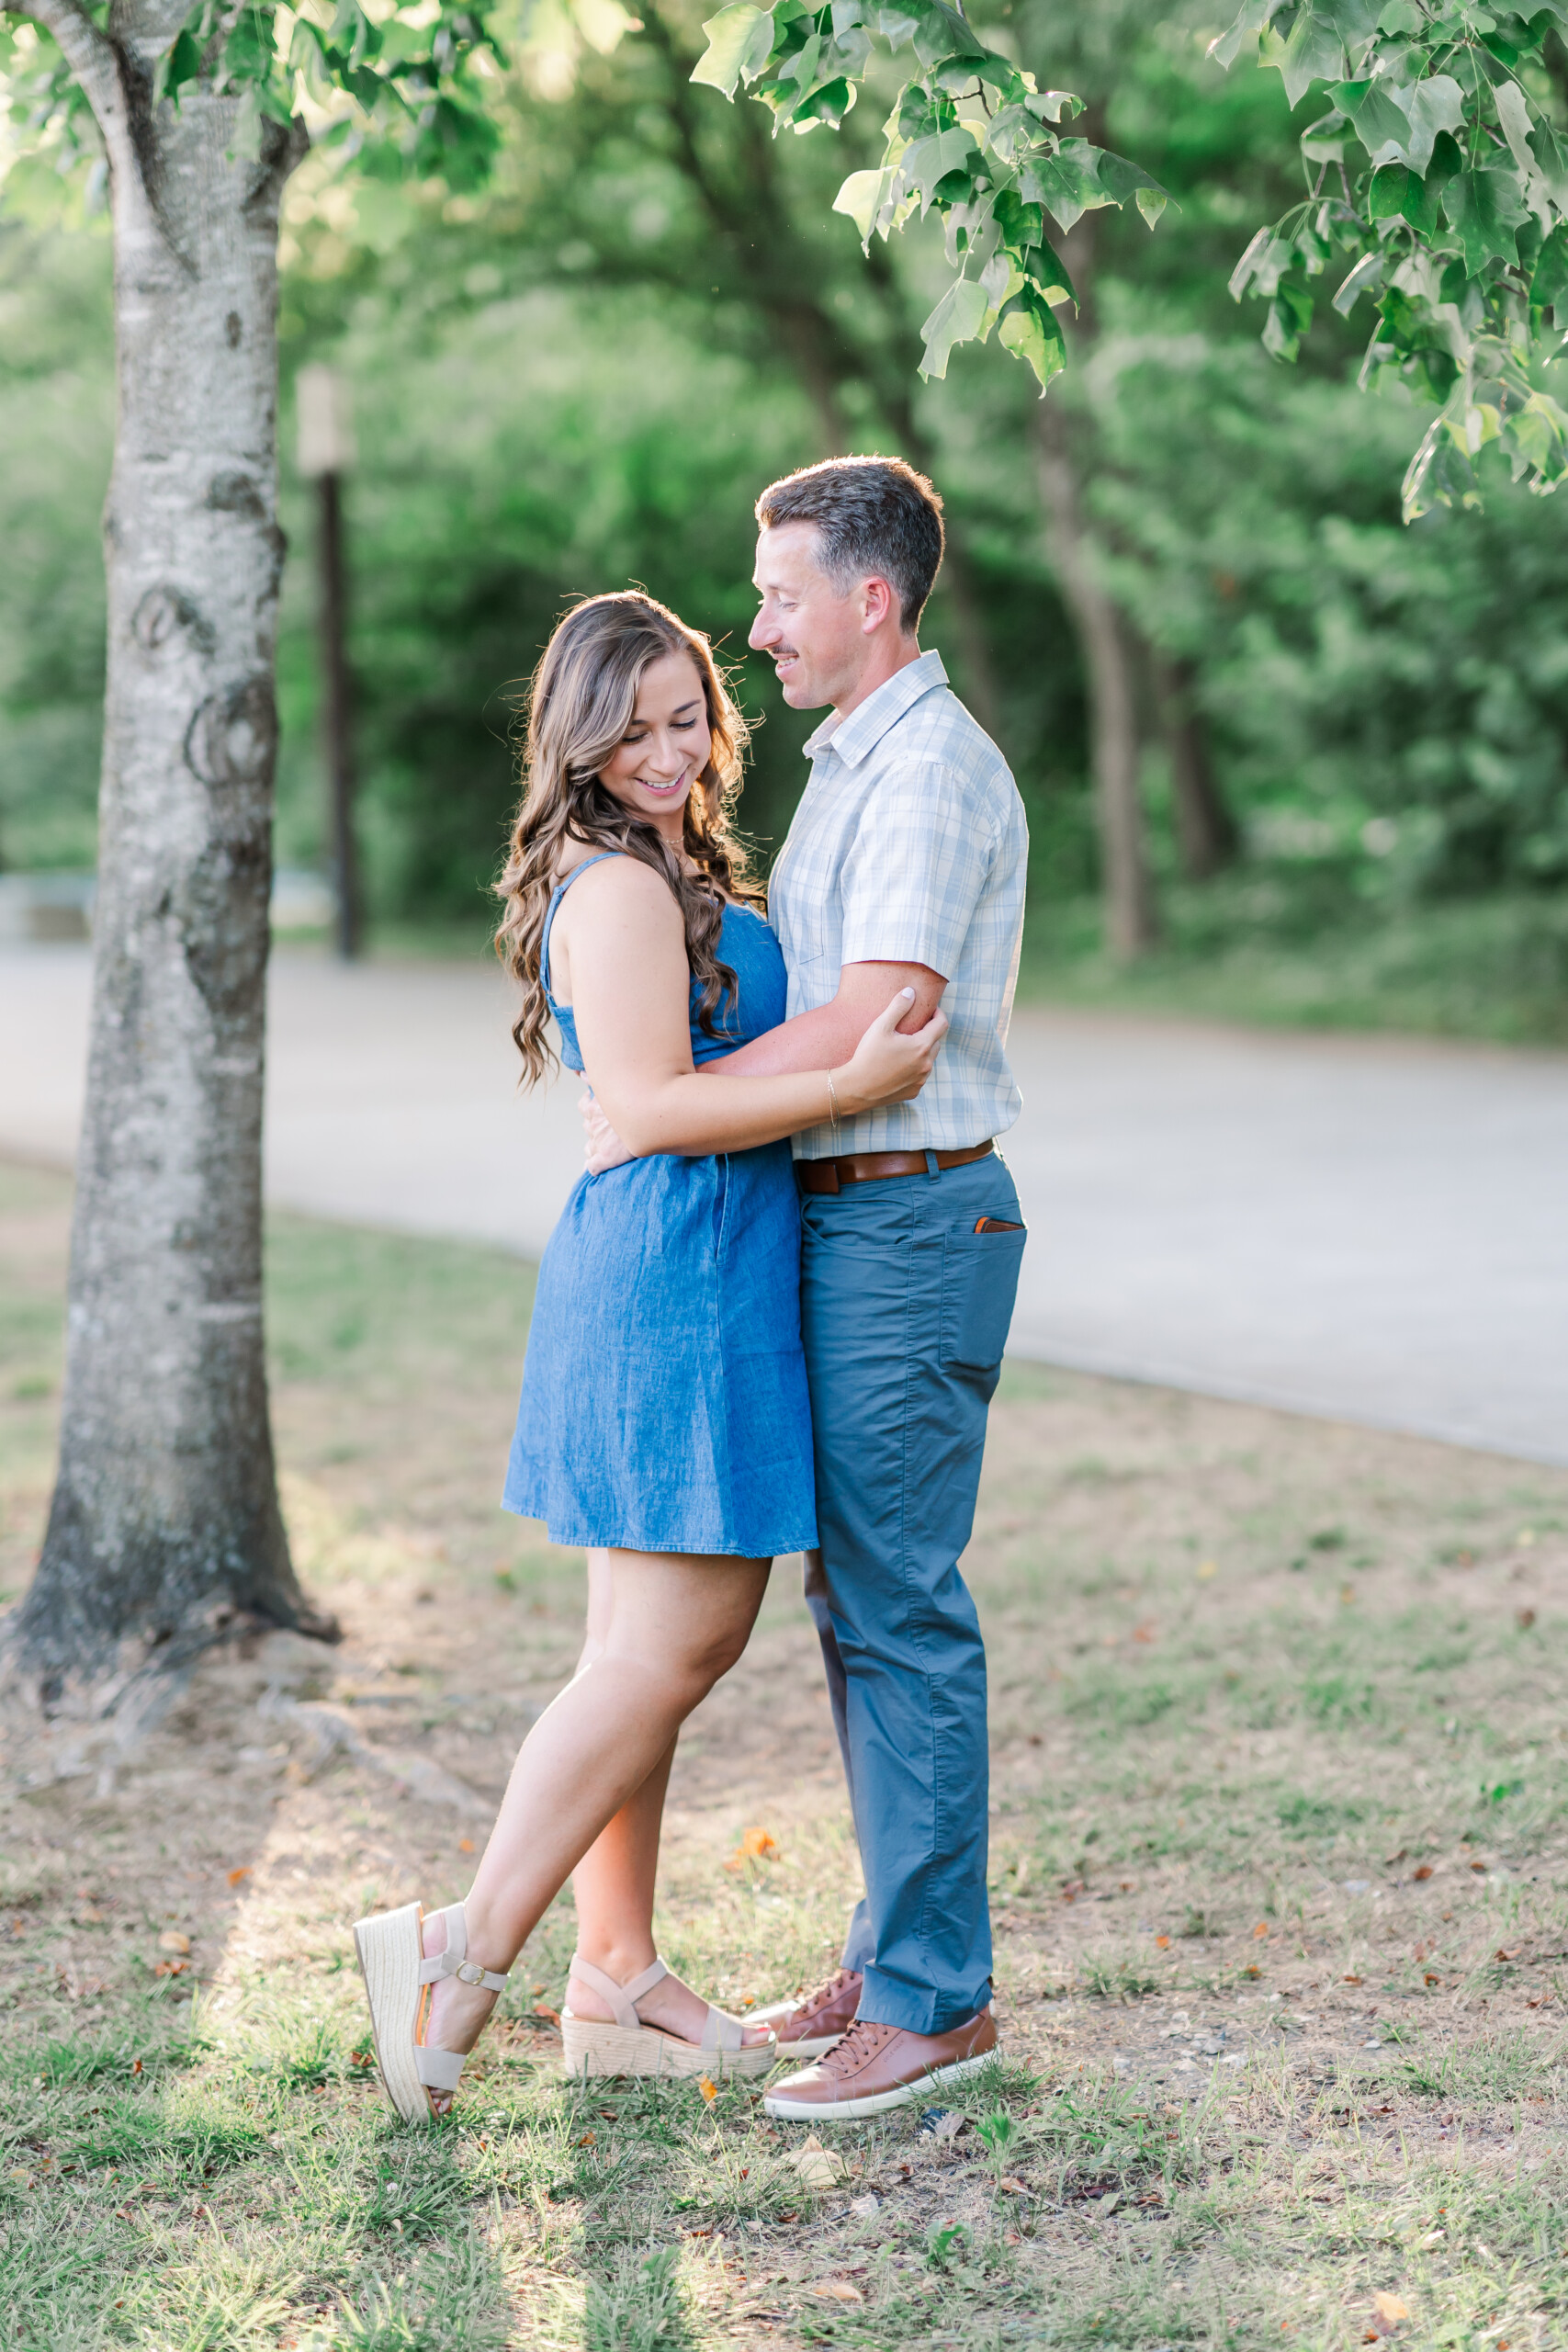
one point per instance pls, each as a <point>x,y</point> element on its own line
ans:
<point>623,1998</point>
<point>454,1961</point>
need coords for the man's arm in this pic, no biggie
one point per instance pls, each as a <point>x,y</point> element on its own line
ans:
<point>825,1038</point>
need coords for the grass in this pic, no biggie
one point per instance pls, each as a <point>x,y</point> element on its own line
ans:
<point>1278,1850</point>
<point>1296,949</point>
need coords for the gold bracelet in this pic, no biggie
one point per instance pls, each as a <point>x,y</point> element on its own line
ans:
<point>833,1100</point>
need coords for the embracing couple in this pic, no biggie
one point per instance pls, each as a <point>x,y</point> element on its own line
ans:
<point>772,1317</point>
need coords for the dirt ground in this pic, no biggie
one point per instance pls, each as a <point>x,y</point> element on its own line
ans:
<point>1277,1846</point>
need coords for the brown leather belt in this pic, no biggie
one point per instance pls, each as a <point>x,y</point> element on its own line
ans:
<point>867,1167</point>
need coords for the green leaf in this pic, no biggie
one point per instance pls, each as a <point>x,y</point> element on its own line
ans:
<point>1066,182</point>
<point>957,318</point>
<point>862,196</point>
<point>1398,192</point>
<point>927,162</point>
<point>1355,21</point>
<point>1364,278</point>
<point>1549,287</point>
<point>829,103</point>
<point>740,41</point>
<point>942,32</point>
<point>1312,53</point>
<point>1050,105</point>
<point>1434,105</point>
<point>1021,224</point>
<point>1256,18</point>
<point>1483,207</point>
<point>179,64</point>
<point>1515,118</point>
<point>1030,329</point>
<point>1382,125</point>
<point>1289,315</point>
<point>1121,179</point>
<point>1399,16</point>
<point>1552,163</point>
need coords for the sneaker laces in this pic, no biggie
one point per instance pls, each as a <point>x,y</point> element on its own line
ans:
<point>835,1985</point>
<point>863,2040</point>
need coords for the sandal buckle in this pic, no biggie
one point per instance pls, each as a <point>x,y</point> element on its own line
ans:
<point>469,1972</point>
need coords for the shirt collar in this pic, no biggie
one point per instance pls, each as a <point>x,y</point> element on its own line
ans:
<point>853,737</point>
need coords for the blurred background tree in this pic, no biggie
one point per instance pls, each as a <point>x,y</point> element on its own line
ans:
<point>1337,744</point>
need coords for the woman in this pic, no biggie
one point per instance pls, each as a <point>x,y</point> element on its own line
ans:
<point>663,1422</point>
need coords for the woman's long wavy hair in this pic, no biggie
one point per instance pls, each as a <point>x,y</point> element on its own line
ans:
<point>581,699</point>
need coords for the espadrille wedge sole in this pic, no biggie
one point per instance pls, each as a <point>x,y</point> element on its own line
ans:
<point>390,1950</point>
<point>626,2046</point>
<point>390,1945</point>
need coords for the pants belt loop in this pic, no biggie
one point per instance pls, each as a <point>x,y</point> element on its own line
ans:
<point>931,1167</point>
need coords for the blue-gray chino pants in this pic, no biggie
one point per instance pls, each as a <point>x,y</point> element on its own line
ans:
<point>905,1311</point>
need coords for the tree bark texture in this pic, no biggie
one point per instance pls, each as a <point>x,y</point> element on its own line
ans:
<point>165,1520</point>
<point>1206,836</point>
<point>1131,920</point>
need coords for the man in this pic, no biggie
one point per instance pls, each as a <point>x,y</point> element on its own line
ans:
<point>904,867</point>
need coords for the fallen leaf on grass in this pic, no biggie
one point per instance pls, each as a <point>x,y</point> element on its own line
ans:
<point>756,1846</point>
<point>1349,1980</point>
<point>1429,1979</point>
<point>708,2088</point>
<point>1390,2311</point>
<point>839,2290</point>
<point>1501,1954</point>
<point>1260,1932</point>
<point>816,2167</point>
<point>171,1967</point>
<point>465,1844</point>
<point>236,1875</point>
<point>1162,1943</point>
<point>587,2139</point>
<point>172,1941</point>
<point>1424,1870</point>
<point>543,2010</point>
<point>1014,2187</point>
<point>1146,1632</point>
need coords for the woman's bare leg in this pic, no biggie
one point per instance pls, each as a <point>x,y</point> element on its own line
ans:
<point>663,1627</point>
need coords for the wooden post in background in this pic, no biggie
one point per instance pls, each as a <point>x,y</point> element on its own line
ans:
<point>326,453</point>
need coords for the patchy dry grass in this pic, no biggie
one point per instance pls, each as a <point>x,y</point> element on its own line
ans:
<point>1277,1853</point>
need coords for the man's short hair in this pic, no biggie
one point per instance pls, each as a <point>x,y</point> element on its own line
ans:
<point>875,516</point>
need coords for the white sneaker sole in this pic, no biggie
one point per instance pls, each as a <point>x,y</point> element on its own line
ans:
<point>849,2110</point>
<point>801,2053</point>
<point>391,1951</point>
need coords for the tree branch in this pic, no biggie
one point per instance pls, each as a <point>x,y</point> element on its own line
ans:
<point>95,66</point>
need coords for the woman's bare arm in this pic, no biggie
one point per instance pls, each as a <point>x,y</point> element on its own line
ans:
<point>626,959</point>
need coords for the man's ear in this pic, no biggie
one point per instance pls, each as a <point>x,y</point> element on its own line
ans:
<point>877,600</point>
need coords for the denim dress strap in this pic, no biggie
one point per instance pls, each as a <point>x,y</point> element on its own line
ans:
<point>556,895</point>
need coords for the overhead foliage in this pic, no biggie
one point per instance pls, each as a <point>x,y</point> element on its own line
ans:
<point>399,90</point>
<point>971,137</point>
<point>1435,171</point>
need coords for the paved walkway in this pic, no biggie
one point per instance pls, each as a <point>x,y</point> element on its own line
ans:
<point>1371,1228</point>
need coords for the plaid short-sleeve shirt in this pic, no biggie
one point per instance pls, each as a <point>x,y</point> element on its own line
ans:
<point>910,847</point>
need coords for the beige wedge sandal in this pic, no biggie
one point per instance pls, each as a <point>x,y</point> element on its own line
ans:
<point>629,2047</point>
<point>398,1977</point>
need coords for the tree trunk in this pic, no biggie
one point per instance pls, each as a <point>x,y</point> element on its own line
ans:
<point>1131,921</point>
<point>1206,835</point>
<point>165,1521</point>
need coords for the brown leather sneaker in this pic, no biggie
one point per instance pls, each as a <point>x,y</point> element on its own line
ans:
<point>878,2067</point>
<point>808,2027</point>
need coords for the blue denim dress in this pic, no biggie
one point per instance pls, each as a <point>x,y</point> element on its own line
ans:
<point>664,1404</point>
